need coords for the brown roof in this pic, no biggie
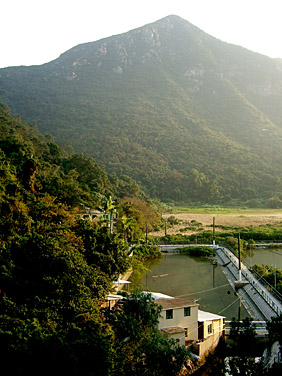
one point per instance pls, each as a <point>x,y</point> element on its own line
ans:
<point>176,303</point>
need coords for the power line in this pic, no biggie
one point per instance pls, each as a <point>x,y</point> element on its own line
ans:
<point>200,292</point>
<point>229,305</point>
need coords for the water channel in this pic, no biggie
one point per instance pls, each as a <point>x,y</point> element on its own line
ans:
<point>188,277</point>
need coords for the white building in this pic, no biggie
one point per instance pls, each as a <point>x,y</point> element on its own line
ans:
<point>211,329</point>
<point>182,320</point>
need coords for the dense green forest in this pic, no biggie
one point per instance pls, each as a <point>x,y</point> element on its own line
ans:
<point>56,269</point>
<point>188,117</point>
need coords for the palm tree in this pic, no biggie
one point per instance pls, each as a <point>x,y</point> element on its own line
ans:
<point>109,207</point>
<point>126,226</point>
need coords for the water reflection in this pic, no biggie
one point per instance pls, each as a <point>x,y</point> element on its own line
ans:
<point>189,277</point>
<point>192,278</point>
<point>264,256</point>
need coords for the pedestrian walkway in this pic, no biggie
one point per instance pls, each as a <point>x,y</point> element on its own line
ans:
<point>258,301</point>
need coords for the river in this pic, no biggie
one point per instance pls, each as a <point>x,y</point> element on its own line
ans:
<point>188,277</point>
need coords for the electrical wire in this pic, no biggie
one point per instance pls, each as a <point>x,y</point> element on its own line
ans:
<point>221,286</point>
<point>201,292</point>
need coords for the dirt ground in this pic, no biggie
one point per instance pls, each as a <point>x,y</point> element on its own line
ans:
<point>206,221</point>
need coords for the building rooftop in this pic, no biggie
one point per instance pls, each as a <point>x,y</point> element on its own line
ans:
<point>207,316</point>
<point>176,303</point>
<point>173,330</point>
<point>158,295</point>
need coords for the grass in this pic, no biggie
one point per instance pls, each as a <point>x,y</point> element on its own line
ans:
<point>226,219</point>
<point>222,210</point>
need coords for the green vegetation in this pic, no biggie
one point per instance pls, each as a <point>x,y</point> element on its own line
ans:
<point>271,275</point>
<point>244,351</point>
<point>189,118</point>
<point>56,269</point>
<point>146,251</point>
<point>193,225</point>
<point>199,251</point>
<point>140,347</point>
<point>215,209</point>
<point>248,236</point>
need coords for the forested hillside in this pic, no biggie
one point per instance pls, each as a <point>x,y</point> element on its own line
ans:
<point>190,118</point>
<point>56,269</point>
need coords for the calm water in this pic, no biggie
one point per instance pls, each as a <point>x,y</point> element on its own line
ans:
<point>265,257</point>
<point>183,276</point>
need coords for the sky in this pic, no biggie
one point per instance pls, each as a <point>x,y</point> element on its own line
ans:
<point>34,32</point>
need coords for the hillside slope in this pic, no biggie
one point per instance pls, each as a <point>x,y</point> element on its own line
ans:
<point>184,114</point>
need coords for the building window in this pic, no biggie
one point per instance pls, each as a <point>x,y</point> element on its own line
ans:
<point>169,314</point>
<point>186,332</point>
<point>210,328</point>
<point>187,311</point>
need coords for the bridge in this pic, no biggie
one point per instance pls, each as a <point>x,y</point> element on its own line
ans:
<point>260,328</point>
<point>259,302</point>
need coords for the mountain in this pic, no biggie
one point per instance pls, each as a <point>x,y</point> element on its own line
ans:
<point>186,115</point>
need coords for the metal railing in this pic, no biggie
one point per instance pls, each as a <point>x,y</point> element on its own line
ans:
<point>257,283</point>
<point>259,326</point>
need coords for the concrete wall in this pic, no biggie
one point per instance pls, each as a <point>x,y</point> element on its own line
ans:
<point>178,336</point>
<point>190,322</point>
<point>203,348</point>
<point>209,340</point>
<point>216,325</point>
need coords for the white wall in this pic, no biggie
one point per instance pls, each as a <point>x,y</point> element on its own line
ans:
<point>190,322</point>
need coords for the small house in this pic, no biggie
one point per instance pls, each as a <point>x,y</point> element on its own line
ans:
<point>179,318</point>
<point>210,329</point>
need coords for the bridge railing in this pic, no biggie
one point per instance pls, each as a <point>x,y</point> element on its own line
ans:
<point>260,327</point>
<point>257,281</point>
<point>266,283</point>
<point>267,297</point>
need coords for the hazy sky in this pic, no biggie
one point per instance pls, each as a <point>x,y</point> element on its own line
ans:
<point>37,31</point>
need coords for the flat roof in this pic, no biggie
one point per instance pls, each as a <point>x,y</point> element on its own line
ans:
<point>176,303</point>
<point>173,330</point>
<point>114,297</point>
<point>208,316</point>
<point>158,295</point>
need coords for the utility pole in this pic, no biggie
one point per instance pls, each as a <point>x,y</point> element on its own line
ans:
<point>239,257</point>
<point>239,310</point>
<point>146,233</point>
<point>213,233</point>
<point>275,276</point>
<point>214,265</point>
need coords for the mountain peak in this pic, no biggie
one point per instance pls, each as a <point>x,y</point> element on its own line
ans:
<point>182,113</point>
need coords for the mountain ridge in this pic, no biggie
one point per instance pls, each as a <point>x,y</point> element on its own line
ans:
<point>186,115</point>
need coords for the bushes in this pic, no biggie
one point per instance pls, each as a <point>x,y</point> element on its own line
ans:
<point>272,275</point>
<point>145,251</point>
<point>199,251</point>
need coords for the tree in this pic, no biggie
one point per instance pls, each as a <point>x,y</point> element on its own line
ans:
<point>126,226</point>
<point>274,327</point>
<point>109,207</point>
<point>244,352</point>
<point>49,307</point>
<point>141,348</point>
<point>90,175</point>
<point>143,212</point>
<point>107,252</point>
